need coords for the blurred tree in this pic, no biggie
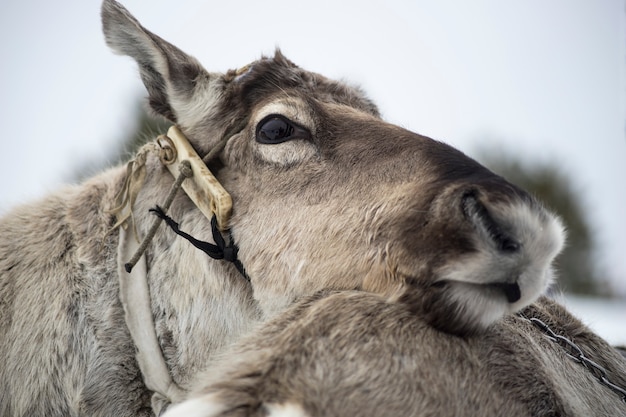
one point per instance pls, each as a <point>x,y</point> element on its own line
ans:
<point>147,127</point>
<point>576,270</point>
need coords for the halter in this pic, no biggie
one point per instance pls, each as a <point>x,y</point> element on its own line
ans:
<point>205,191</point>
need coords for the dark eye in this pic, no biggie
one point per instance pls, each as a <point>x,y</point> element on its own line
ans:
<point>277,129</point>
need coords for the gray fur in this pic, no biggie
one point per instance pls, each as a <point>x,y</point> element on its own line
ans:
<point>357,204</point>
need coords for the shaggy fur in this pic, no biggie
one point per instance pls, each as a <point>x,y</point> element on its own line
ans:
<point>356,203</point>
<point>356,354</point>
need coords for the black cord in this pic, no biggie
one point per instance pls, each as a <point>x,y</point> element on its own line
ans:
<point>218,251</point>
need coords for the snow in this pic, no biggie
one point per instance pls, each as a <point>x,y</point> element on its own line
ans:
<point>607,317</point>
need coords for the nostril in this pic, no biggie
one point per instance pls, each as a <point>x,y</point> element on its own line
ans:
<point>471,207</point>
<point>475,212</point>
<point>509,245</point>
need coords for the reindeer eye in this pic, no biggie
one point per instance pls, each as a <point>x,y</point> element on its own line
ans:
<point>277,129</point>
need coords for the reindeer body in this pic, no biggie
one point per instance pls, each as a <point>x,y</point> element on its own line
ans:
<point>65,347</point>
<point>326,196</point>
<point>357,354</point>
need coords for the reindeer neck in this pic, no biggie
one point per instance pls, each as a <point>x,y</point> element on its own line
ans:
<point>199,305</point>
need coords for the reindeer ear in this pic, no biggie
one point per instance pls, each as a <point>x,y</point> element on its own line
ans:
<point>168,73</point>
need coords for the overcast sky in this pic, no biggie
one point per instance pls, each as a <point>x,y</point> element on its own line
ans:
<point>542,78</point>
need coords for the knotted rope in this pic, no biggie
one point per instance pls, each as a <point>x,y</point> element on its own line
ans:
<point>127,195</point>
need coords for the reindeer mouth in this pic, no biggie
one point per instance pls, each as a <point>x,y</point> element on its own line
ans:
<point>480,217</point>
<point>512,291</point>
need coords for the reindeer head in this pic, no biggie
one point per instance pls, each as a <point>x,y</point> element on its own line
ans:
<point>328,195</point>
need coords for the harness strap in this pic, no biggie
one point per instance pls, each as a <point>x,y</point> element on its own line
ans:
<point>135,298</point>
<point>182,161</point>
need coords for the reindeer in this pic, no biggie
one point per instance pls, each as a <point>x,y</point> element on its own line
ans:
<point>326,196</point>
